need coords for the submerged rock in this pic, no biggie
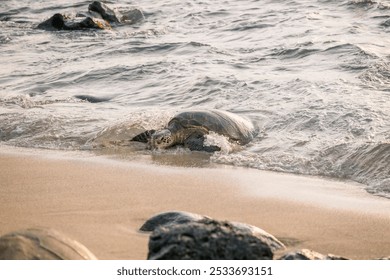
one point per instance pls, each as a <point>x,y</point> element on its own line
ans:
<point>98,16</point>
<point>208,240</point>
<point>41,244</point>
<point>180,217</point>
<point>92,99</point>
<point>306,254</point>
<point>386,23</point>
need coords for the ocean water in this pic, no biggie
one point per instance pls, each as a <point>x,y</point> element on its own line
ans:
<point>313,76</point>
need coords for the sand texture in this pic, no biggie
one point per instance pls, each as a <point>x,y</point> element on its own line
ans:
<point>102,203</point>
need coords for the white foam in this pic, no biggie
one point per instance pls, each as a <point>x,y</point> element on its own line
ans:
<point>215,139</point>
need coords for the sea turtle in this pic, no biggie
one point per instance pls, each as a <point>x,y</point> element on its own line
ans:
<point>41,244</point>
<point>190,127</point>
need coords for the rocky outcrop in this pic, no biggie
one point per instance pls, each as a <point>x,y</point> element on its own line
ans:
<point>98,16</point>
<point>207,240</point>
<point>180,217</point>
<point>261,234</point>
<point>65,22</point>
<point>41,244</point>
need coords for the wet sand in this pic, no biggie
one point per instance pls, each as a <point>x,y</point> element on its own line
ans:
<point>102,202</point>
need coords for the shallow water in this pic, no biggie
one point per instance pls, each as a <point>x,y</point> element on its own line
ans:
<point>314,76</point>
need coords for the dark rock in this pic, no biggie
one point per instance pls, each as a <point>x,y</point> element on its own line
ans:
<point>57,21</point>
<point>261,234</point>
<point>129,17</point>
<point>386,23</point>
<point>179,217</point>
<point>306,254</point>
<point>98,16</point>
<point>89,22</point>
<point>132,17</point>
<point>41,244</point>
<point>104,11</point>
<point>208,240</point>
<point>63,22</point>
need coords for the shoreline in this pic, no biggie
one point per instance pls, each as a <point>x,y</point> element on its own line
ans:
<point>101,202</point>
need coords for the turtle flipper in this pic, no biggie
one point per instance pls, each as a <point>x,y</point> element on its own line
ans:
<point>196,143</point>
<point>144,137</point>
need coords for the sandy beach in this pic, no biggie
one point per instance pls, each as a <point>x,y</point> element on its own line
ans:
<point>102,202</point>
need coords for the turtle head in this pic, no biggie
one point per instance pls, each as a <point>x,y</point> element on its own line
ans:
<point>162,139</point>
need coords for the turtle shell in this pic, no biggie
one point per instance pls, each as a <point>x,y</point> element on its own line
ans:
<point>41,244</point>
<point>225,123</point>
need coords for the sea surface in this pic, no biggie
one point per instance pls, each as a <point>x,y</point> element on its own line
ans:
<point>313,76</point>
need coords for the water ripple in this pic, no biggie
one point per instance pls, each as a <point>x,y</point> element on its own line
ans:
<point>313,75</point>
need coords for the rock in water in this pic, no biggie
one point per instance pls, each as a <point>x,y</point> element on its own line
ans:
<point>98,16</point>
<point>92,99</point>
<point>63,22</point>
<point>209,240</point>
<point>41,244</point>
<point>104,11</point>
<point>306,254</point>
<point>133,16</point>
